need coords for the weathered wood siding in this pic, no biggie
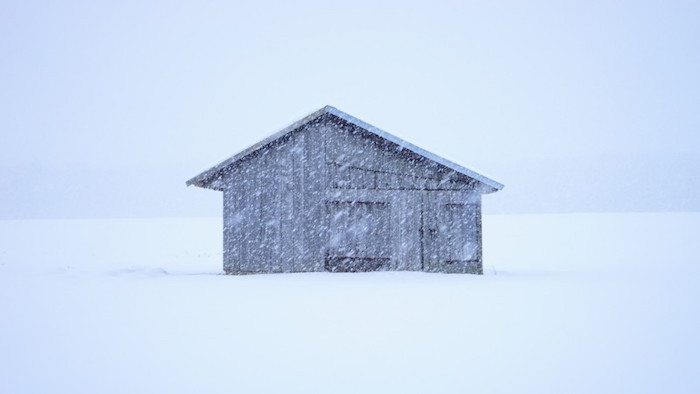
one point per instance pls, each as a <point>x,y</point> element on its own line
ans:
<point>272,204</point>
<point>331,196</point>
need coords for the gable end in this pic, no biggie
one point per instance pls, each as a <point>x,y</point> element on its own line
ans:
<point>214,177</point>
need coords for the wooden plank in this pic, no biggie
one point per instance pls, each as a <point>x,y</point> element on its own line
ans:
<point>478,234</point>
<point>233,205</point>
<point>285,192</point>
<point>298,234</point>
<point>245,219</point>
<point>428,224</point>
<point>314,208</point>
<point>252,221</point>
<point>228,230</point>
<point>269,221</point>
<point>397,230</point>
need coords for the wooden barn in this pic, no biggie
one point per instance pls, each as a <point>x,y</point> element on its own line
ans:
<point>333,193</point>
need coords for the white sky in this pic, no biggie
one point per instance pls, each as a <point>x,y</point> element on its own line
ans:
<point>138,85</point>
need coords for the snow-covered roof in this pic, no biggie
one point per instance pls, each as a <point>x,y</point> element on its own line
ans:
<point>207,175</point>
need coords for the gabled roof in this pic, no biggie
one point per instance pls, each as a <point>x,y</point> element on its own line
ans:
<point>205,176</point>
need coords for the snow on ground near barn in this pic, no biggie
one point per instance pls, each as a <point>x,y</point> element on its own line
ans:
<point>590,303</point>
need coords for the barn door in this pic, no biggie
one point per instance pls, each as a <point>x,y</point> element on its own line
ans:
<point>450,233</point>
<point>359,236</point>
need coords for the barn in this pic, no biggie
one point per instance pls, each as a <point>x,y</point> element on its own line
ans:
<point>333,193</point>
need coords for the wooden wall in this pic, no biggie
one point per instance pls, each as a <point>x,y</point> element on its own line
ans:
<point>331,196</point>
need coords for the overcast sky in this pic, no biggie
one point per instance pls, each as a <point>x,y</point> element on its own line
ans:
<point>143,93</point>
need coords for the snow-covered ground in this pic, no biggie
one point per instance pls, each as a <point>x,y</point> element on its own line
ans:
<point>586,303</point>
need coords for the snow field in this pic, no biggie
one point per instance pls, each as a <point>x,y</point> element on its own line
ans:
<point>604,303</point>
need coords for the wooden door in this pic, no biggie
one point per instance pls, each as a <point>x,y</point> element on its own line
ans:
<point>360,236</point>
<point>450,233</point>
